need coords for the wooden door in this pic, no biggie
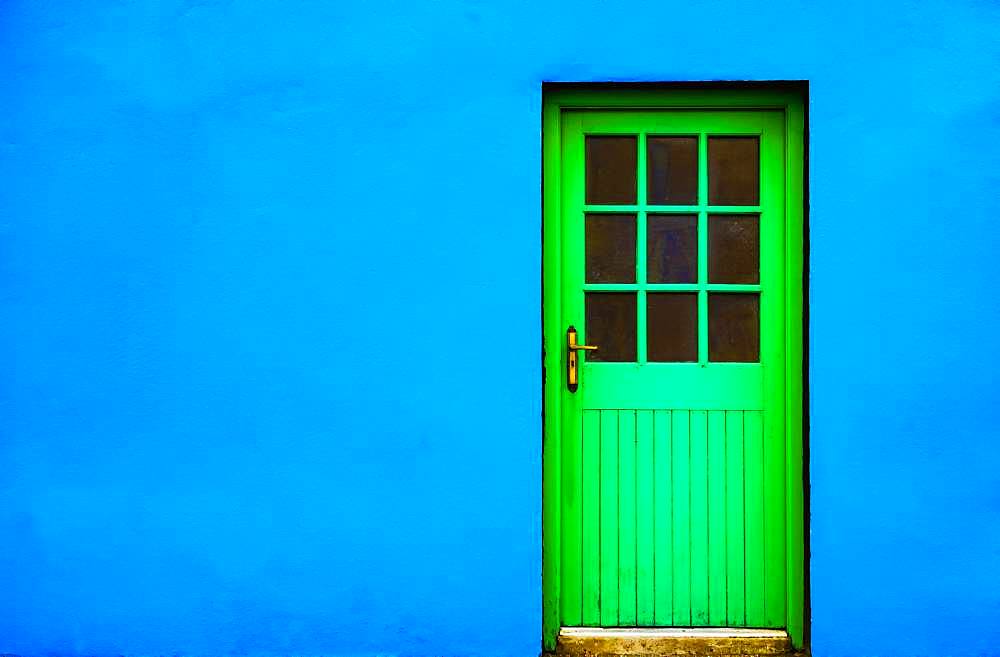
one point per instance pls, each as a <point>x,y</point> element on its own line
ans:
<point>674,472</point>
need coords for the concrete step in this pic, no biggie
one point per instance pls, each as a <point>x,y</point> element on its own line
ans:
<point>672,642</point>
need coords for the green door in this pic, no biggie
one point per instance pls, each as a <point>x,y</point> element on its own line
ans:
<point>674,469</point>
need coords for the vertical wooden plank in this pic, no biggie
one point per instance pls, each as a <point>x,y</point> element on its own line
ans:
<point>571,598</point>
<point>682,517</point>
<point>753,495</point>
<point>626,518</point>
<point>591,531</point>
<point>717,518</point>
<point>736,604</point>
<point>645,475</point>
<point>609,518</point>
<point>663,559</point>
<point>699,518</point>
<point>774,521</point>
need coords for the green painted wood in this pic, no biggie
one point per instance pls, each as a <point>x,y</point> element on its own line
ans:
<point>591,513</point>
<point>796,533</point>
<point>663,529</point>
<point>609,518</point>
<point>675,209</point>
<point>670,545</point>
<point>735,527</point>
<point>753,496</point>
<point>698,458</point>
<point>572,525</point>
<point>669,287</point>
<point>681,519</point>
<point>774,524</point>
<point>703,254</point>
<point>717,613</point>
<point>640,260</point>
<point>627,544</point>
<point>696,387</point>
<point>781,420</point>
<point>552,388</point>
<point>645,498</point>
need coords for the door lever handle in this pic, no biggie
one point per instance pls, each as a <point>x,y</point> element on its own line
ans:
<point>571,359</point>
<point>571,342</point>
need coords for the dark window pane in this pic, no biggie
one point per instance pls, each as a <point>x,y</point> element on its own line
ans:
<point>672,248</point>
<point>672,327</point>
<point>611,326</point>
<point>611,170</point>
<point>733,170</point>
<point>610,245</point>
<point>734,328</point>
<point>733,248</point>
<point>672,170</point>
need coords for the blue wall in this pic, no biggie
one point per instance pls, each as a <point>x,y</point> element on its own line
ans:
<point>214,215</point>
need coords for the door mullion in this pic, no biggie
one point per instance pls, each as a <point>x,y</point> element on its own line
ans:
<point>641,319</point>
<point>640,245</point>
<point>702,249</point>
<point>702,288</point>
<point>641,280</point>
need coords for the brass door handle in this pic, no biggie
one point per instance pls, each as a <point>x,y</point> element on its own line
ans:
<point>571,360</point>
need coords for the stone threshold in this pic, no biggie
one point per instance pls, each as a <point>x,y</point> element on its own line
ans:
<point>672,642</point>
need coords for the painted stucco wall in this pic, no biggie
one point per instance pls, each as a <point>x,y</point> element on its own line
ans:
<point>216,216</point>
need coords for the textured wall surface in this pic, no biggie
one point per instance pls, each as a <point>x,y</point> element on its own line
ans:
<point>214,215</point>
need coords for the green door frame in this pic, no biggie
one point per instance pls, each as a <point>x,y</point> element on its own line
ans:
<point>791,102</point>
